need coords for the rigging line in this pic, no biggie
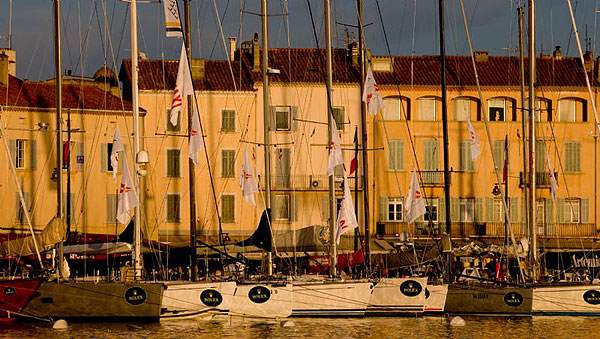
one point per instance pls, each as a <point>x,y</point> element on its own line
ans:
<point>100,27</point>
<point>85,41</point>
<point>65,20</point>
<point>223,40</point>
<point>122,30</point>
<point>219,20</point>
<point>489,137</point>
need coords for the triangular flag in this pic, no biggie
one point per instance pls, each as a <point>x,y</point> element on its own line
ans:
<point>346,220</point>
<point>354,161</point>
<point>117,145</point>
<point>128,198</point>
<point>247,180</point>
<point>183,86</point>
<point>196,141</point>
<point>172,21</point>
<point>475,147</point>
<point>335,151</point>
<point>553,182</point>
<point>415,203</point>
<point>371,94</point>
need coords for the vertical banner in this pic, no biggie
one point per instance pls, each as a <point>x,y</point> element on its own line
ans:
<point>172,22</point>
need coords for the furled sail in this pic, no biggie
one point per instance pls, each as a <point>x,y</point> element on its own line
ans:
<point>53,233</point>
<point>261,237</point>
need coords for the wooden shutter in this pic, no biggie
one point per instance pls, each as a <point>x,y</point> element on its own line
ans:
<point>479,210</point>
<point>33,154</point>
<point>441,209</point>
<point>549,214</point>
<point>395,154</point>
<point>576,156</point>
<point>111,208</point>
<point>271,118</point>
<point>489,209</point>
<point>585,211</point>
<point>293,207</point>
<point>560,209</point>
<point>514,210</point>
<point>12,145</point>
<point>540,156</point>
<point>383,209</point>
<point>104,157</point>
<point>454,209</point>
<point>325,207</point>
<point>294,122</point>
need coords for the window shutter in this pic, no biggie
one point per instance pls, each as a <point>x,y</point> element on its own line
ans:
<point>12,145</point>
<point>560,207</point>
<point>111,208</point>
<point>479,210</point>
<point>176,164</point>
<point>514,210</point>
<point>294,207</point>
<point>524,210</point>
<point>489,209</point>
<point>549,212</point>
<point>294,117</point>
<point>540,156</point>
<point>442,209</point>
<point>454,206</point>
<point>271,118</point>
<point>325,207</point>
<point>400,155</point>
<point>383,209</point>
<point>103,158</point>
<point>576,156</point>
<point>33,154</point>
<point>585,211</point>
<point>276,208</point>
<point>79,164</point>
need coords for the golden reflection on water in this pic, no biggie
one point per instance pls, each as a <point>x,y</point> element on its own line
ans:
<point>425,327</point>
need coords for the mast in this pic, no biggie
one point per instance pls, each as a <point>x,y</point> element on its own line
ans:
<point>330,122</point>
<point>59,142</point>
<point>524,116</point>
<point>191,171</point>
<point>137,246</point>
<point>445,134</point>
<point>534,257</point>
<point>364,136</point>
<point>265,64</point>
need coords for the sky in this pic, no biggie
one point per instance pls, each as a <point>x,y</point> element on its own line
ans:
<point>97,31</point>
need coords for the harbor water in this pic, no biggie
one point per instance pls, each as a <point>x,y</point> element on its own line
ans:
<point>424,327</point>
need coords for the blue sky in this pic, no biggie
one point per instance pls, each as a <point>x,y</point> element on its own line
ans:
<point>90,36</point>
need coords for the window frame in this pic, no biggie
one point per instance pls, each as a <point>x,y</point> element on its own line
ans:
<point>280,109</point>
<point>340,122</point>
<point>572,211</point>
<point>277,216</point>
<point>432,204</point>
<point>434,110</point>
<point>229,170</point>
<point>395,207</point>
<point>170,153</point>
<point>224,217</point>
<point>489,107</point>
<point>463,204</point>
<point>170,127</point>
<point>468,104</point>
<point>224,127</point>
<point>173,217</point>
<point>561,103</point>
<point>396,163</point>
<point>572,156</point>
<point>21,146</point>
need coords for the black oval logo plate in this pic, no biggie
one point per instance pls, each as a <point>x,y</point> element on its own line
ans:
<point>135,296</point>
<point>513,299</point>
<point>592,297</point>
<point>411,288</point>
<point>259,294</point>
<point>9,291</point>
<point>211,298</point>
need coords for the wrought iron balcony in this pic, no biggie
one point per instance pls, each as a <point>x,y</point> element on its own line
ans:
<point>542,179</point>
<point>303,182</point>
<point>433,178</point>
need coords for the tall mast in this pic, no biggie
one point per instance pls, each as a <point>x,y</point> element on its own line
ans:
<point>445,132</point>
<point>524,115</point>
<point>532,215</point>
<point>330,122</point>
<point>265,64</point>
<point>137,246</point>
<point>364,135</point>
<point>59,142</point>
<point>191,171</point>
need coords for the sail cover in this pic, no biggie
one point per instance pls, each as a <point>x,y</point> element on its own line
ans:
<point>53,233</point>
<point>261,238</point>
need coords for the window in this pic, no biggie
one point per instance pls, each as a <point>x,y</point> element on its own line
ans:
<point>228,208</point>
<point>572,211</point>
<point>573,156</point>
<point>20,153</point>
<point>20,212</point>
<point>227,163</point>
<point>426,108</point>
<point>396,155</point>
<point>431,210</point>
<point>395,210</point>
<point>283,121</point>
<point>540,157</point>
<point>228,120</point>
<point>338,116</point>
<point>391,109</point>
<point>499,154</point>
<point>498,215</point>
<point>281,207</point>
<point>23,153</point>
<point>496,109</point>
<point>431,163</point>
<point>173,207</point>
<point>170,126</point>
<point>566,110</point>
<point>111,208</point>
<point>465,162</point>
<point>106,163</point>
<point>462,109</point>
<point>173,163</point>
<point>466,209</point>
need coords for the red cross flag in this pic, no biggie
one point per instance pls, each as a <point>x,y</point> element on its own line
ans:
<point>415,204</point>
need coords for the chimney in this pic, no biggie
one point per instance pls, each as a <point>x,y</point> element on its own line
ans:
<point>255,54</point>
<point>12,60</point>
<point>588,59</point>
<point>232,48</point>
<point>352,54</point>
<point>142,56</point>
<point>557,54</point>
<point>3,69</point>
<point>481,55</point>
<point>198,69</point>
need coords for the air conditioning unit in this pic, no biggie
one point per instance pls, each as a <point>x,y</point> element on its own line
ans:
<point>314,183</point>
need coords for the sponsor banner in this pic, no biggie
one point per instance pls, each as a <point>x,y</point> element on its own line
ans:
<point>320,263</point>
<point>135,296</point>
<point>259,294</point>
<point>592,297</point>
<point>513,299</point>
<point>211,298</point>
<point>411,288</point>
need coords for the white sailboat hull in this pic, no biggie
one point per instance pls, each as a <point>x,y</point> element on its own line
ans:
<point>567,300</point>
<point>255,301</point>
<point>435,298</point>
<point>197,299</point>
<point>330,299</point>
<point>397,296</point>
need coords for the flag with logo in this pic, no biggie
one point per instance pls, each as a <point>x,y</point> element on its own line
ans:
<point>117,146</point>
<point>415,203</point>
<point>474,140</point>
<point>371,94</point>
<point>553,182</point>
<point>354,161</point>
<point>172,19</point>
<point>346,220</point>
<point>335,151</point>
<point>183,86</point>
<point>247,180</point>
<point>196,143</point>
<point>128,198</point>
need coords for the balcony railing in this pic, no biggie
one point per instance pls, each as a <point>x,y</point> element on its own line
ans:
<point>432,178</point>
<point>542,179</point>
<point>486,229</point>
<point>302,182</point>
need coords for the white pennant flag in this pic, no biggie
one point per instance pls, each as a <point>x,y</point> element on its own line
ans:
<point>117,145</point>
<point>371,94</point>
<point>346,220</point>
<point>475,147</point>
<point>128,198</point>
<point>196,143</point>
<point>335,151</point>
<point>183,86</point>
<point>172,20</point>
<point>247,181</point>
<point>553,182</point>
<point>415,204</point>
